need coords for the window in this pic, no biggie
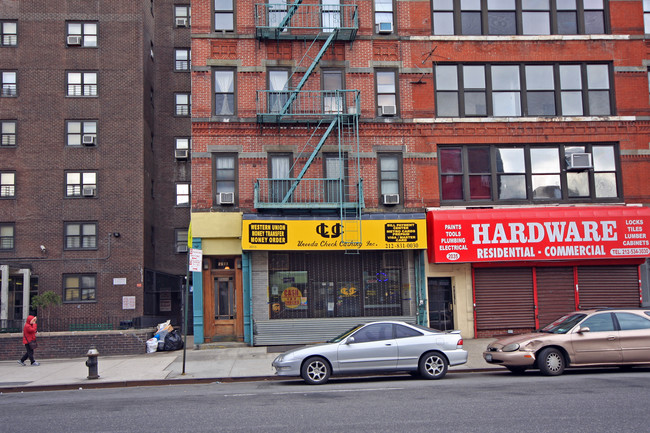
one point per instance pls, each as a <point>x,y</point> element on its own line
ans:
<point>7,184</point>
<point>224,92</point>
<point>8,129</point>
<point>183,104</point>
<point>80,236</point>
<point>631,322</point>
<point>9,87</point>
<point>280,173</point>
<point>386,93</point>
<point>599,323</point>
<point>646,16</point>
<point>519,17</point>
<point>180,240</point>
<point>384,16</point>
<point>182,143</point>
<point>183,194</point>
<point>224,15</point>
<point>529,173</point>
<point>183,59</point>
<point>82,84</point>
<point>523,90</point>
<point>402,331</point>
<point>331,15</point>
<point>336,173</point>
<point>374,332</point>
<point>182,16</point>
<point>81,132</point>
<point>80,287</point>
<point>225,177</point>
<point>390,177</point>
<point>6,236</point>
<point>278,86</point>
<point>82,34</point>
<point>81,184</point>
<point>332,81</point>
<point>9,33</point>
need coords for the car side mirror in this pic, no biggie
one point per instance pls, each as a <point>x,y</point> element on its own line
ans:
<point>583,329</point>
<point>349,340</point>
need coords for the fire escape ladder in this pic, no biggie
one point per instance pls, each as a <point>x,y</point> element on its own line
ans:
<point>290,12</point>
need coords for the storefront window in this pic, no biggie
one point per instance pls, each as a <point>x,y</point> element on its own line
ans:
<point>322,285</point>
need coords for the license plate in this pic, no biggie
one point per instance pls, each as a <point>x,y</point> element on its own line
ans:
<point>488,357</point>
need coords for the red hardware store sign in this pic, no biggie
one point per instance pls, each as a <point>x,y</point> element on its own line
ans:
<point>542,233</point>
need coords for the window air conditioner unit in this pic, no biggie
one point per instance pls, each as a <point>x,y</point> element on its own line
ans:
<point>182,248</point>
<point>225,197</point>
<point>89,191</point>
<point>181,153</point>
<point>390,198</point>
<point>384,28</point>
<point>387,110</point>
<point>88,140</point>
<point>181,22</point>
<point>74,40</point>
<point>580,161</point>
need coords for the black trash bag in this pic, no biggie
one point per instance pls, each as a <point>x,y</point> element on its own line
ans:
<point>173,341</point>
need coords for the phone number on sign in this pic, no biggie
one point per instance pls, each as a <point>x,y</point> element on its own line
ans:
<point>403,245</point>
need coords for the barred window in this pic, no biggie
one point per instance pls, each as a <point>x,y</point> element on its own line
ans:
<point>7,184</point>
<point>9,33</point>
<point>80,287</point>
<point>82,84</point>
<point>182,59</point>
<point>8,129</point>
<point>81,132</point>
<point>6,236</point>
<point>80,236</point>
<point>81,184</point>
<point>183,104</point>
<point>9,83</point>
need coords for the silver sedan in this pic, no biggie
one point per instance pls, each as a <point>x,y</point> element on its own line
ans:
<point>376,347</point>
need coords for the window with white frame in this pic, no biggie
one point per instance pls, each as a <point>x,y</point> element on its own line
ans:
<point>332,83</point>
<point>7,236</point>
<point>7,184</point>
<point>80,184</point>
<point>384,16</point>
<point>390,177</point>
<point>182,143</point>
<point>8,130</point>
<point>83,34</point>
<point>519,17</point>
<point>566,173</point>
<point>182,16</point>
<point>224,15</point>
<point>386,82</point>
<point>9,83</point>
<point>646,16</point>
<point>80,236</point>
<point>180,240</point>
<point>182,59</point>
<point>224,92</point>
<point>278,89</point>
<point>225,177</point>
<point>182,194</point>
<point>523,90</point>
<point>81,133</point>
<point>9,33</point>
<point>81,83</point>
<point>183,103</point>
<point>79,287</point>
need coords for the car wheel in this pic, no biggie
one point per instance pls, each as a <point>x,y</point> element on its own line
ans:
<point>433,365</point>
<point>551,362</point>
<point>516,369</point>
<point>315,371</point>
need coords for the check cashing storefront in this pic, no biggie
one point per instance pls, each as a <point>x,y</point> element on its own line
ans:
<point>517,269</point>
<point>308,282</point>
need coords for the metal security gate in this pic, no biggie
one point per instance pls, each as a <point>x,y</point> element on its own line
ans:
<point>555,293</point>
<point>609,286</point>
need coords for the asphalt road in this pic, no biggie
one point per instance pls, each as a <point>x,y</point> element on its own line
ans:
<point>579,401</point>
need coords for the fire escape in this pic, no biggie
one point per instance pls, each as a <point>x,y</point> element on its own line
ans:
<point>323,117</point>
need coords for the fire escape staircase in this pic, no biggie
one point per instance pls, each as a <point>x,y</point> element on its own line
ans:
<point>331,115</point>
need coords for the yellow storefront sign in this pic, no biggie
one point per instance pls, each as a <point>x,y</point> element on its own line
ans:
<point>333,234</point>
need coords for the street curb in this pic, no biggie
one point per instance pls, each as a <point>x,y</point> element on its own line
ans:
<point>188,381</point>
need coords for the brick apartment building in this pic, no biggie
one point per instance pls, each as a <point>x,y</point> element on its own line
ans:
<point>94,166</point>
<point>478,165</point>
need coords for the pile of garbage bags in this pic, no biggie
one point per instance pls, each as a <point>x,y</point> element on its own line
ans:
<point>166,338</point>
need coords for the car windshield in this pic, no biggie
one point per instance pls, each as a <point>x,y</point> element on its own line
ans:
<point>344,335</point>
<point>563,324</point>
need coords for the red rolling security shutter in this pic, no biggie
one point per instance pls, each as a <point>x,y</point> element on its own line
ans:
<point>504,298</point>
<point>608,286</point>
<point>555,293</point>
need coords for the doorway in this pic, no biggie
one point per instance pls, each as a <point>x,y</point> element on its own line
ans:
<point>223,302</point>
<point>440,304</point>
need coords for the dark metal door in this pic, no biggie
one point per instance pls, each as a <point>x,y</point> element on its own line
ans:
<point>440,304</point>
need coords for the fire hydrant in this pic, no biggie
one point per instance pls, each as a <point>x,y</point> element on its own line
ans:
<point>91,363</point>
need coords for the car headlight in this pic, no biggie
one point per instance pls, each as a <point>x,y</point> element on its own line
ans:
<point>510,347</point>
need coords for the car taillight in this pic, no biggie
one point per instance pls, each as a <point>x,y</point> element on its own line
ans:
<point>459,345</point>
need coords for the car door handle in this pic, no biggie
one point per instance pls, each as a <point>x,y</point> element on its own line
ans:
<point>389,344</point>
<point>611,338</point>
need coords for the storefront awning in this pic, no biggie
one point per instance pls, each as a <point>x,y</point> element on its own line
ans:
<point>537,234</point>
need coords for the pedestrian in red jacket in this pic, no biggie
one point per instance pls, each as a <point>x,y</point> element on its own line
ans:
<point>29,340</point>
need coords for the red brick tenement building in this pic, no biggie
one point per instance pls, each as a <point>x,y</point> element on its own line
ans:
<point>459,164</point>
<point>94,164</point>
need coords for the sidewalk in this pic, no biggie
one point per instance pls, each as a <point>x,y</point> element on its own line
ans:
<point>229,361</point>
